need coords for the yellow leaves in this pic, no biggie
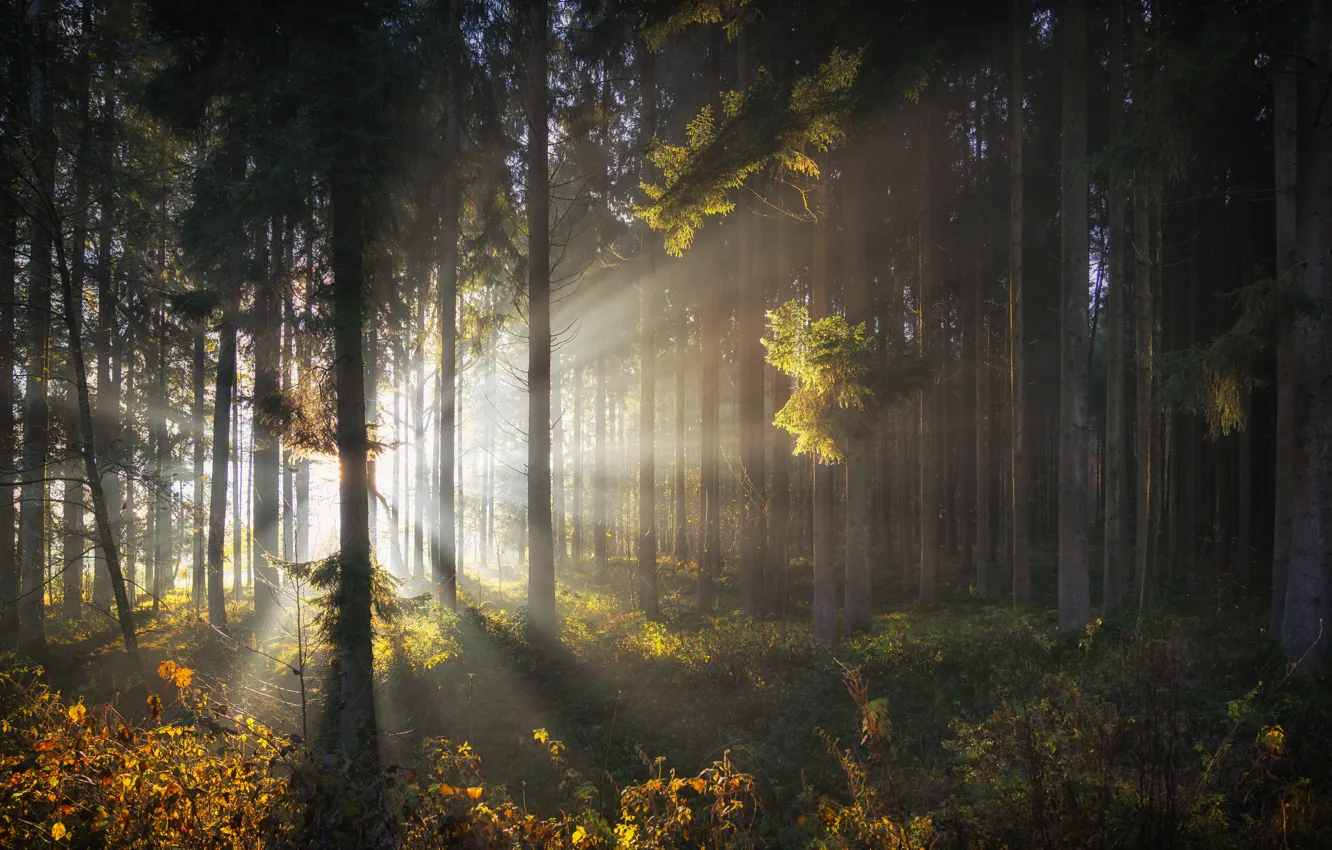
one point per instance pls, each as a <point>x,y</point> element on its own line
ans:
<point>541,736</point>
<point>447,790</point>
<point>58,831</point>
<point>1273,739</point>
<point>155,706</point>
<point>474,792</point>
<point>166,670</point>
<point>184,676</point>
<point>579,836</point>
<point>77,712</point>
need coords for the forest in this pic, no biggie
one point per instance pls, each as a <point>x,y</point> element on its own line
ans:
<point>666,423</point>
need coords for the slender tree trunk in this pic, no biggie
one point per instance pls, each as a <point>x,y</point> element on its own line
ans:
<point>163,568</point>
<point>1017,386</point>
<point>578,464</point>
<point>541,547</point>
<point>983,477</point>
<point>217,497</point>
<point>9,568</point>
<point>858,601</point>
<point>680,486</point>
<point>825,586</point>
<point>420,489</point>
<point>445,572</point>
<point>303,366</point>
<point>237,529</point>
<point>1143,343</point>
<point>1285,93</point>
<point>1309,585</point>
<point>930,459</point>
<point>353,641</point>
<point>1075,488</point>
<point>198,366</point>
<point>647,393</point>
<point>1115,584</point>
<point>779,522</point>
<point>267,455</point>
<point>288,354</point>
<point>710,330</point>
<point>36,408</point>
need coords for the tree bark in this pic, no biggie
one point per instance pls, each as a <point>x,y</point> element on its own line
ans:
<point>930,459</point>
<point>1074,420</point>
<point>1115,586</point>
<point>1019,509</point>
<point>825,586</point>
<point>445,572</point>
<point>858,599</point>
<point>1143,342</point>
<point>1285,93</point>
<point>1309,585</point>
<point>647,442</point>
<point>198,366</point>
<point>9,568</point>
<point>355,632</point>
<point>266,478</point>
<point>541,547</point>
<point>217,497</point>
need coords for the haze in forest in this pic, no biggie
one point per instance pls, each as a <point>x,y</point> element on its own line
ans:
<point>665,423</point>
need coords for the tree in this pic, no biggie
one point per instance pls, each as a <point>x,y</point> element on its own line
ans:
<point>1074,424</point>
<point>1017,383</point>
<point>647,443</point>
<point>541,547</point>
<point>1308,583</point>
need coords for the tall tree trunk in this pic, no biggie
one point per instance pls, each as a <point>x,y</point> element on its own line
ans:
<point>825,586</point>
<point>1075,489</point>
<point>288,354</point>
<point>710,330</point>
<point>9,568</point>
<point>217,498</point>
<point>1285,93</point>
<point>981,469</point>
<point>420,490</point>
<point>1309,585</point>
<point>680,543</point>
<point>355,632</point>
<point>779,522</point>
<point>647,392</point>
<point>267,455</point>
<point>541,547</point>
<point>1115,586</point>
<point>445,572</point>
<point>303,371</point>
<point>36,408</point>
<point>858,601</point>
<point>931,461</point>
<point>578,463</point>
<point>749,356</point>
<point>198,366</point>
<point>163,568</point>
<point>1019,509</point>
<point>1142,333</point>
<point>237,518</point>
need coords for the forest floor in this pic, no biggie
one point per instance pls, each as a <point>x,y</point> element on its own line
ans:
<point>946,717</point>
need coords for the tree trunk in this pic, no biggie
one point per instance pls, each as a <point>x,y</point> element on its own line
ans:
<point>198,366</point>
<point>578,464</point>
<point>163,568</point>
<point>1074,420</point>
<point>710,330</point>
<point>1285,93</point>
<point>858,600</point>
<point>217,498</point>
<point>1142,332</point>
<point>1019,509</point>
<point>9,568</point>
<point>779,523</point>
<point>445,572</point>
<point>36,408</point>
<point>825,586</point>
<point>647,393</point>
<point>541,547</point>
<point>1115,586</point>
<point>930,459</point>
<point>353,641</point>
<point>267,455</point>
<point>1309,586</point>
<point>680,486</point>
